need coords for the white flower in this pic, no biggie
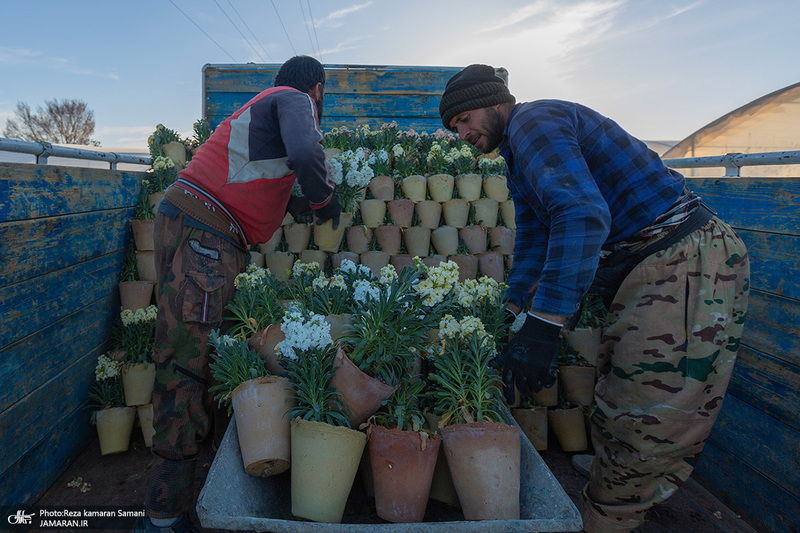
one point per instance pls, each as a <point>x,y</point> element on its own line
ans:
<point>162,163</point>
<point>364,291</point>
<point>106,368</point>
<point>139,316</point>
<point>303,333</point>
<point>388,274</point>
<point>347,266</point>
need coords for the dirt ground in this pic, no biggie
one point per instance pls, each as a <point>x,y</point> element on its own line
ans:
<point>121,479</point>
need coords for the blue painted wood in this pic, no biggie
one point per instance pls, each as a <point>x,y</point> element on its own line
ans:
<point>38,358</point>
<point>31,191</point>
<point>419,125</point>
<point>773,326</point>
<point>763,504</point>
<point>31,248</point>
<point>774,262</point>
<point>34,304</point>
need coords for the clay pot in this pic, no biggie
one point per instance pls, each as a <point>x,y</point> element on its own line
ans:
<point>135,295</point>
<point>361,394</point>
<point>577,382</point>
<point>585,341</point>
<point>456,212</point>
<point>145,417</point>
<point>429,213</point>
<point>314,256</point>
<point>256,258</point>
<point>440,187</point>
<point>509,262</point>
<point>414,187</point>
<point>328,239</point>
<point>488,489</point>
<point>434,260</point>
<point>137,383</point>
<point>569,428</point>
<point>272,244</point>
<point>547,397</point>
<point>336,259</point>
<point>486,212</point>
<point>467,266</point>
<point>401,212</point>
<point>502,239</point>
<point>533,423</point>
<point>442,488</point>
<point>402,464</point>
<point>146,266</point>
<point>143,234</point>
<point>280,264</point>
<point>418,241</point>
<point>176,151</point>
<point>469,186</point>
<point>153,200</point>
<point>445,240</point>
<point>263,431</point>
<point>114,427</point>
<point>475,238</point>
<point>264,343</point>
<point>401,261</point>
<point>389,238</point>
<point>491,264</point>
<point>287,219</point>
<point>297,237</point>
<point>507,211</point>
<point>375,261</point>
<point>340,324</point>
<point>496,187</point>
<point>382,187</point>
<point>358,239</point>
<point>373,212</point>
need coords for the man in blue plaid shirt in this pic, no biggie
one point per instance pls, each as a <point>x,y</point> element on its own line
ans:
<point>596,210</point>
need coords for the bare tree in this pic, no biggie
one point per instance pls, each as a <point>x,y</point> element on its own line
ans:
<point>64,122</point>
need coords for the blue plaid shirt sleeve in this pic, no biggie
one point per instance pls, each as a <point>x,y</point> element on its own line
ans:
<point>563,218</point>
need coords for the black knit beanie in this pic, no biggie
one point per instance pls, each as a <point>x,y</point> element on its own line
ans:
<point>476,86</point>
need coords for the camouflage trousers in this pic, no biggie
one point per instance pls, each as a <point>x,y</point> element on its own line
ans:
<point>666,359</point>
<point>196,270</point>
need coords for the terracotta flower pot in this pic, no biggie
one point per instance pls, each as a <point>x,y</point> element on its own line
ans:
<point>533,423</point>
<point>146,266</point>
<point>137,383</point>
<point>440,187</point>
<point>114,427</point>
<point>585,341</point>
<point>324,464</point>
<point>486,212</point>
<point>176,151</point>
<point>474,237</point>
<point>145,417</point>
<point>442,488</point>
<point>264,343</point>
<point>429,214</point>
<point>272,244</point>
<point>456,212</point>
<point>143,234</point>
<point>491,264</point>
<point>469,186</point>
<point>401,261</point>
<point>577,382</point>
<point>339,324</point>
<point>358,239</point>
<point>280,264</point>
<point>382,187</point>
<point>375,261</point>
<point>297,237</point>
<point>135,295</point>
<point>402,469</point>
<point>401,211</point>
<point>373,212</point>
<point>445,240</point>
<point>263,430</point>
<point>502,239</point>
<point>314,256</point>
<point>569,428</point>
<point>418,241</point>
<point>507,212</point>
<point>434,260</point>
<point>547,397</point>
<point>361,394</point>
<point>328,239</point>
<point>414,187</point>
<point>153,200</point>
<point>467,266</point>
<point>389,238</point>
<point>496,187</point>
<point>488,487</point>
<point>256,258</point>
<point>336,259</point>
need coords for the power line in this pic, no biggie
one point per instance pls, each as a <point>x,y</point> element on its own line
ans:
<point>313,25</point>
<point>240,31</point>
<point>305,22</point>
<point>202,30</point>
<point>251,32</point>
<point>284,27</point>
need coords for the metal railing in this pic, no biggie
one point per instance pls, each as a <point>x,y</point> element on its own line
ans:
<point>43,150</point>
<point>733,162</point>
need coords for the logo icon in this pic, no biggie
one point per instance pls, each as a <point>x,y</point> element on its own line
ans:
<point>21,518</point>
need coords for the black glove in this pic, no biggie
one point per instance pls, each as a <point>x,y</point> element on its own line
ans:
<point>330,212</point>
<point>300,209</point>
<point>529,359</point>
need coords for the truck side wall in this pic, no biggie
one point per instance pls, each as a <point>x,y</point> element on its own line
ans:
<point>63,231</point>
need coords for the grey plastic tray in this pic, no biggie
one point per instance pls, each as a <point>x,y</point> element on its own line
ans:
<point>231,499</point>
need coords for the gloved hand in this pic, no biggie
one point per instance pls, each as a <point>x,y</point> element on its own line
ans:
<point>529,359</point>
<point>300,209</point>
<point>330,212</point>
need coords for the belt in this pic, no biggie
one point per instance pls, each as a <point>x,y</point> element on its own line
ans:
<point>199,210</point>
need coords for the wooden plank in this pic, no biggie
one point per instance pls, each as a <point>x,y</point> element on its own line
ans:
<point>30,361</point>
<point>774,262</point>
<point>34,191</point>
<point>763,504</point>
<point>31,419</point>
<point>28,479</point>
<point>773,326</point>
<point>766,204</point>
<point>34,247</point>
<point>768,384</point>
<point>34,304</point>
<point>765,443</point>
<point>328,123</point>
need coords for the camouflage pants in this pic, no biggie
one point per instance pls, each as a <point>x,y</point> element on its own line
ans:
<point>667,356</point>
<point>196,272</point>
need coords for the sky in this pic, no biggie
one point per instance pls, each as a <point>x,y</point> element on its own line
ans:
<point>661,68</point>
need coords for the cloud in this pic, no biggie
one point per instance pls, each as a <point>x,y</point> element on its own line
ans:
<point>332,20</point>
<point>347,44</point>
<point>15,56</point>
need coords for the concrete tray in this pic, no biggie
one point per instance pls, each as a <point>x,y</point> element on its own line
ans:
<point>231,499</point>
